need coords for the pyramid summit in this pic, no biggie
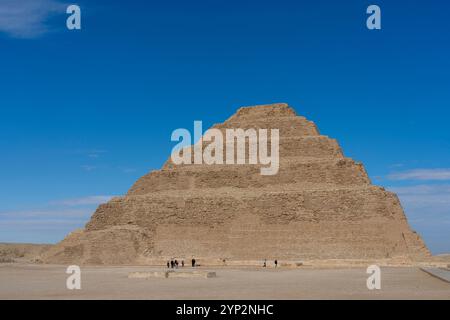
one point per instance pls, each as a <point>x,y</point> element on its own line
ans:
<point>320,205</point>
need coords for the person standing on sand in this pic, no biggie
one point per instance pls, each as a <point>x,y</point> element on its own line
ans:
<point>265,263</point>
<point>193,263</point>
<point>168,264</point>
<point>276,263</point>
<point>182,263</point>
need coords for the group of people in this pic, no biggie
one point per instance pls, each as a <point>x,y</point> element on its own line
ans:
<point>265,263</point>
<point>174,263</point>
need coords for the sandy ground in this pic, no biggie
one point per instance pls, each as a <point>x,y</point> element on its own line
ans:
<point>20,281</point>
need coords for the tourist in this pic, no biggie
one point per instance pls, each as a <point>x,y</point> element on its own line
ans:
<point>265,263</point>
<point>171,264</point>
<point>176,264</point>
<point>276,263</point>
<point>168,264</point>
<point>193,263</point>
<point>182,263</point>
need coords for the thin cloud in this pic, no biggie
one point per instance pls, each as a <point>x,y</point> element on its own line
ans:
<point>48,224</point>
<point>91,153</point>
<point>88,168</point>
<point>45,214</point>
<point>58,210</point>
<point>425,196</point>
<point>95,153</point>
<point>28,18</point>
<point>422,189</point>
<point>49,227</point>
<point>85,201</point>
<point>128,170</point>
<point>441,174</point>
<point>427,207</point>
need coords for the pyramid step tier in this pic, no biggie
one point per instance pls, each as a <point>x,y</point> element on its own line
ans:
<point>306,147</point>
<point>287,126</point>
<point>282,206</point>
<point>276,110</point>
<point>295,170</point>
<point>328,224</point>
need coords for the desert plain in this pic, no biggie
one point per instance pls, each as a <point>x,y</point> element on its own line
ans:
<point>24,277</point>
<point>31,281</point>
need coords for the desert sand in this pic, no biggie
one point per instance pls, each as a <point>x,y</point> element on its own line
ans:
<point>24,281</point>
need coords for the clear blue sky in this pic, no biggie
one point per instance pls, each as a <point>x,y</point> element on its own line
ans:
<point>83,114</point>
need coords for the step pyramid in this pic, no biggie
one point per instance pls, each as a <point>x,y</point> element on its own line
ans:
<point>320,205</point>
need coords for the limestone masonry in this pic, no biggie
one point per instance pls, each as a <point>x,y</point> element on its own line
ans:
<point>320,205</point>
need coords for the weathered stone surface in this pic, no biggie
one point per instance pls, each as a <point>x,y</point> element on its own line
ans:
<point>320,205</point>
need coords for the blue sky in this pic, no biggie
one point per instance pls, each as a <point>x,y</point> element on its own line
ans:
<point>83,114</point>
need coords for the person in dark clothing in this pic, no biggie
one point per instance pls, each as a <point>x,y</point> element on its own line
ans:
<point>182,263</point>
<point>172,264</point>
<point>265,263</point>
<point>193,263</point>
<point>276,263</point>
<point>168,264</point>
<point>176,264</point>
